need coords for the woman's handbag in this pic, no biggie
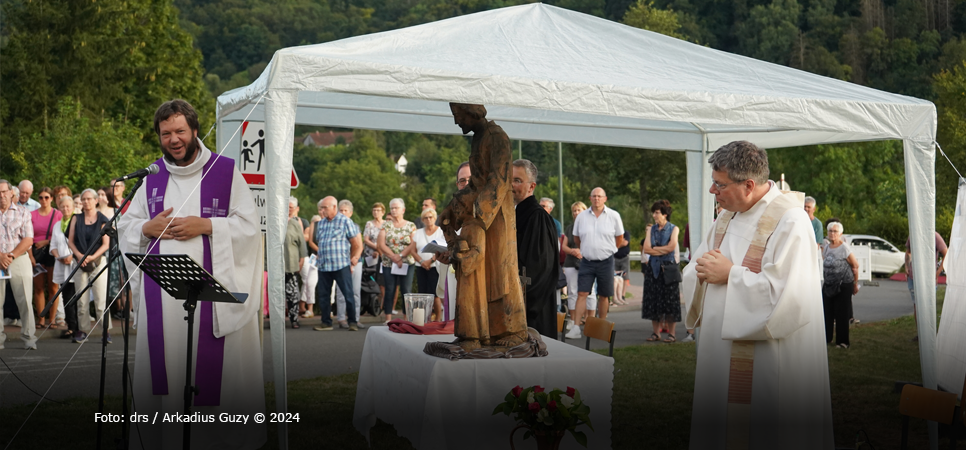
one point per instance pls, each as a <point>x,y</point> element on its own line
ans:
<point>89,268</point>
<point>672,272</point>
<point>42,255</point>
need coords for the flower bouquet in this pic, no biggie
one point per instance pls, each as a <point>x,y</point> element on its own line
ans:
<point>547,414</point>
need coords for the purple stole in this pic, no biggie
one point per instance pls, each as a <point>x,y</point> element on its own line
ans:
<point>209,357</point>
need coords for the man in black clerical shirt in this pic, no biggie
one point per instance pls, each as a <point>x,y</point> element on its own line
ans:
<point>536,250</point>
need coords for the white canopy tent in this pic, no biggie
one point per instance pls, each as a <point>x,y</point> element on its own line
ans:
<point>550,74</point>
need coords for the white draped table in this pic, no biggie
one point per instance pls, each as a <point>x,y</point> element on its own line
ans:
<point>440,404</point>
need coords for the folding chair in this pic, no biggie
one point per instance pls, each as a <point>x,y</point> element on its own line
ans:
<point>561,336</point>
<point>600,329</point>
<point>928,404</point>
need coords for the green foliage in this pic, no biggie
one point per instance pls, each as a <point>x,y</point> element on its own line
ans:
<point>364,172</point>
<point>644,15</point>
<point>360,172</point>
<point>771,31</point>
<point>950,86</point>
<point>80,152</point>
<point>118,58</point>
<point>861,184</point>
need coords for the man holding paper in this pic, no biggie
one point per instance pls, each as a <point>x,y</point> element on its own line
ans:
<point>340,246</point>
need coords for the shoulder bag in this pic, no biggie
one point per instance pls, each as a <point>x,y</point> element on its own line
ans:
<point>672,272</point>
<point>42,255</point>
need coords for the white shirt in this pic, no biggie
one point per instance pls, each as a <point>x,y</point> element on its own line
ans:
<point>597,233</point>
<point>31,205</point>
<point>422,239</point>
<point>59,242</point>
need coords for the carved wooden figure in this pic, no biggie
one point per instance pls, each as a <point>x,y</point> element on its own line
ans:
<point>486,207</point>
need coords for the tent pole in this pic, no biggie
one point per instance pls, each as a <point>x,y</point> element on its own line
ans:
<point>560,209</point>
<point>519,149</point>
<point>920,166</point>
<point>279,139</point>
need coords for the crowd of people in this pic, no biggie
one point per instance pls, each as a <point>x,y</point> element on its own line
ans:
<point>62,226</point>
<point>388,252</point>
<point>330,255</point>
<point>43,240</point>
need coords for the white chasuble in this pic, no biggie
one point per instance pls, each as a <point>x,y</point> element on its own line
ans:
<point>236,258</point>
<point>780,310</point>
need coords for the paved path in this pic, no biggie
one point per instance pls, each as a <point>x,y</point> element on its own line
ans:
<point>317,353</point>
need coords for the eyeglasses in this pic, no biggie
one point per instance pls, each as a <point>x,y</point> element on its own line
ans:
<point>721,186</point>
<point>45,197</point>
<point>462,181</point>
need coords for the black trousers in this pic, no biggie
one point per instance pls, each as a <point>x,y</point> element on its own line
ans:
<point>70,309</point>
<point>426,280</point>
<point>838,308</point>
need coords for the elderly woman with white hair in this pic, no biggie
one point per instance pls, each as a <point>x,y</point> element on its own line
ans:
<point>310,273</point>
<point>346,209</point>
<point>427,277</point>
<point>841,283</point>
<point>85,233</point>
<point>397,245</point>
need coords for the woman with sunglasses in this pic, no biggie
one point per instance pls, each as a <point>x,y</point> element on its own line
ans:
<point>44,220</point>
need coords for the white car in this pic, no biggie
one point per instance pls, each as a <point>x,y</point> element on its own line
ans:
<point>886,258</point>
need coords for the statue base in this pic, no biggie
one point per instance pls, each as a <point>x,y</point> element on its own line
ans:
<point>533,347</point>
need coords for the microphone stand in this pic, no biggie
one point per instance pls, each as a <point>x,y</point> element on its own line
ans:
<point>115,253</point>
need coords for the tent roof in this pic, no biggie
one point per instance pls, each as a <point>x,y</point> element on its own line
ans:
<point>547,73</point>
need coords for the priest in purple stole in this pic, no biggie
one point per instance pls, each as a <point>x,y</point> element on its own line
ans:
<point>199,205</point>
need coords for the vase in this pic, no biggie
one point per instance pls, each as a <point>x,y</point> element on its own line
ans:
<point>546,440</point>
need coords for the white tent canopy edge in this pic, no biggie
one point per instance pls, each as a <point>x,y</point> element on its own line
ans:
<point>621,86</point>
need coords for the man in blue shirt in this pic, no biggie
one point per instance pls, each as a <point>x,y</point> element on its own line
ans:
<point>547,204</point>
<point>816,224</point>
<point>340,246</point>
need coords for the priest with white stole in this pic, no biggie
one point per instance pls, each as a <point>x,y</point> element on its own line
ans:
<point>199,205</point>
<point>762,373</point>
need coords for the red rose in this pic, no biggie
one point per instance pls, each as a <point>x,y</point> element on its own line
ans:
<point>571,391</point>
<point>516,391</point>
<point>534,407</point>
<point>551,406</point>
<point>538,389</point>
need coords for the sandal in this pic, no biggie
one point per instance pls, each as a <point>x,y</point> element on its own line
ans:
<point>295,325</point>
<point>654,337</point>
<point>670,339</point>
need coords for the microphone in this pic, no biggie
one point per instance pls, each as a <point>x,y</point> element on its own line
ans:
<point>149,170</point>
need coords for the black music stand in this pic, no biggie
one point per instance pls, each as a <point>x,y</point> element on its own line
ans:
<point>184,279</point>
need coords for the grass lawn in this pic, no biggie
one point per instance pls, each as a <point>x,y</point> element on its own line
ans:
<point>653,387</point>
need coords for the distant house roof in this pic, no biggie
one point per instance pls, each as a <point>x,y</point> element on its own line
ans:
<point>327,139</point>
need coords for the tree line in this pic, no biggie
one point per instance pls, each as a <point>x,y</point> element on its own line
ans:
<point>81,79</point>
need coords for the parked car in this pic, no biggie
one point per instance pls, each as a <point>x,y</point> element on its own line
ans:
<point>886,258</point>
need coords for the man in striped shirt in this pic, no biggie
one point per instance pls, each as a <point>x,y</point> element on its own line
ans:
<point>340,246</point>
<point>16,239</point>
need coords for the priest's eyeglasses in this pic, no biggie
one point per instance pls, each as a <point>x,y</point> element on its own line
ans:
<point>721,186</point>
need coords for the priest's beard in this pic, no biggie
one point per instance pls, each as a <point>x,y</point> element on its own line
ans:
<point>189,152</point>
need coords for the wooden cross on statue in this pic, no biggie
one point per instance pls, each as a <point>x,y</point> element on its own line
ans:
<point>524,282</point>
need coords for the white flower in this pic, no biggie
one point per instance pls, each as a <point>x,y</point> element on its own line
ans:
<point>530,398</point>
<point>544,417</point>
<point>566,400</point>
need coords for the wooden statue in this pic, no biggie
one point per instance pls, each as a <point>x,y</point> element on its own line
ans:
<point>490,309</point>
